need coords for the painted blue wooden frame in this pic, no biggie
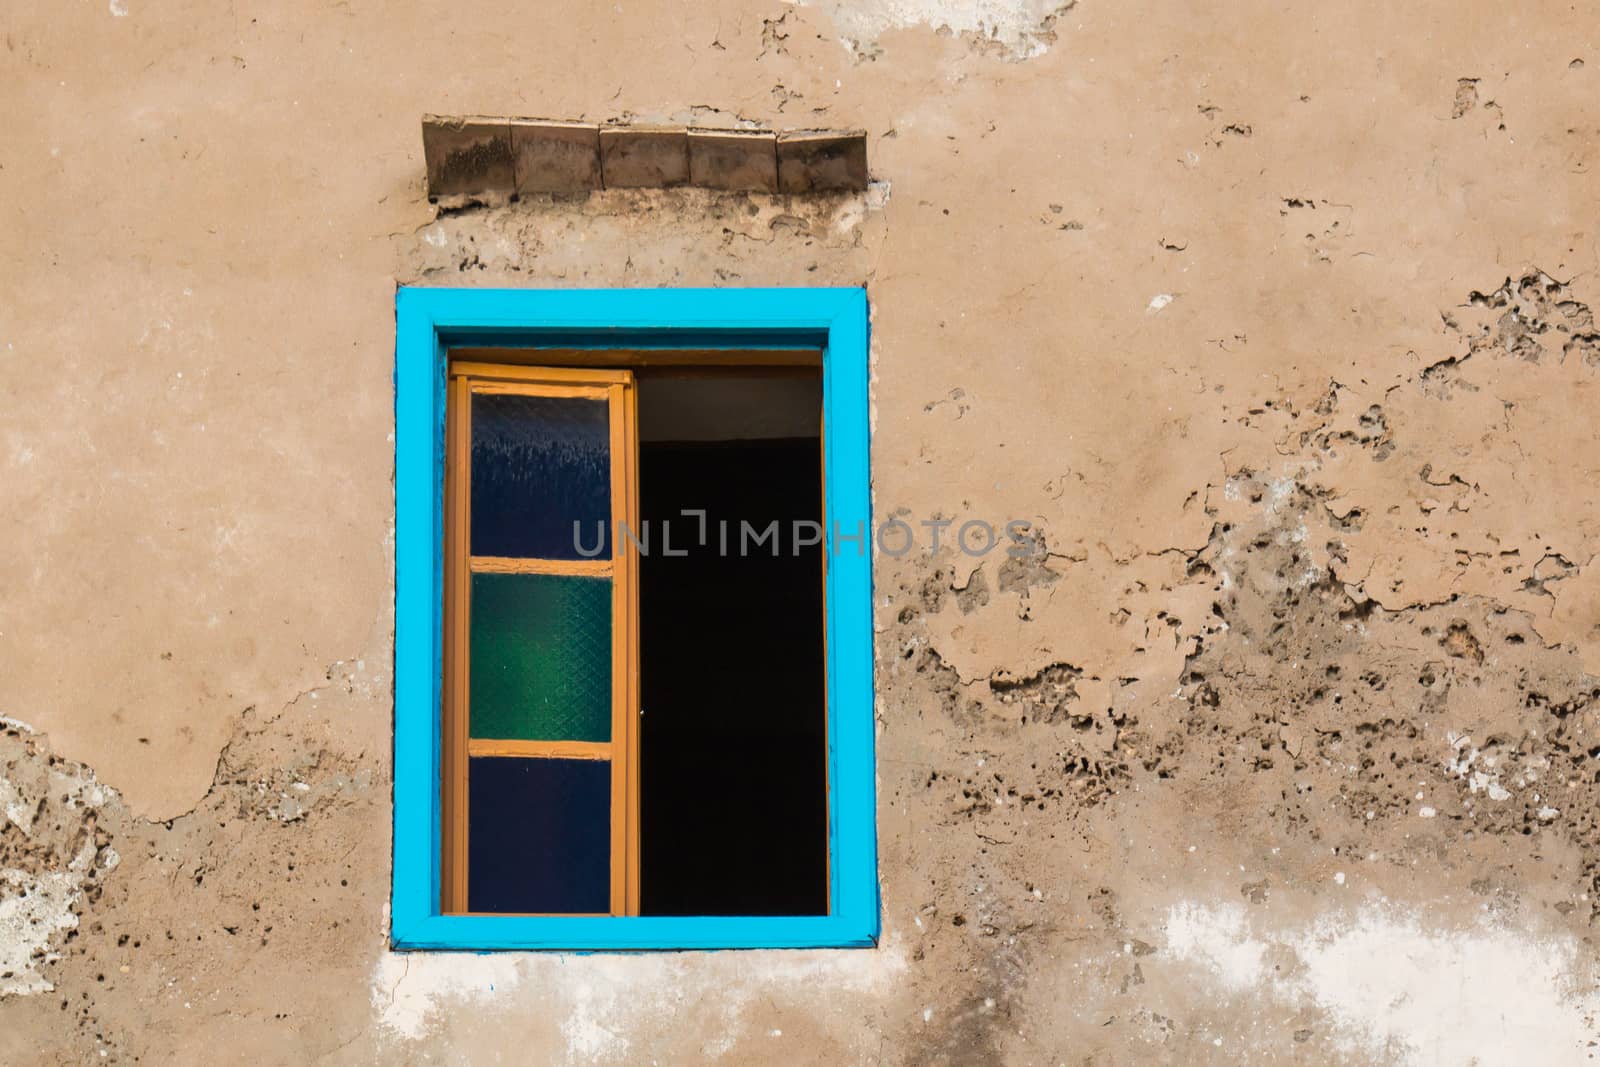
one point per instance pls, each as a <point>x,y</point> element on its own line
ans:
<point>428,322</point>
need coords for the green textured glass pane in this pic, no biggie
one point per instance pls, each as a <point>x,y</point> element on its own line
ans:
<point>541,657</point>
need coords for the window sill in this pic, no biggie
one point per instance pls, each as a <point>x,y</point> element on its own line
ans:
<point>486,933</point>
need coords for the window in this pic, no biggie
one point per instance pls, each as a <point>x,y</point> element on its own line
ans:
<point>633,640</point>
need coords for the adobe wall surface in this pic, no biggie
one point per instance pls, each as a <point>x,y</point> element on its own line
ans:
<point>1273,319</point>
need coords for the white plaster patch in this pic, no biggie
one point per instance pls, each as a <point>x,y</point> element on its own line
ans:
<point>588,1037</point>
<point>12,808</point>
<point>604,1007</point>
<point>1022,27</point>
<point>1157,302</point>
<point>1395,988</point>
<point>407,988</point>
<point>119,8</point>
<point>1483,779</point>
<point>36,902</point>
<point>33,909</point>
<point>1217,938</point>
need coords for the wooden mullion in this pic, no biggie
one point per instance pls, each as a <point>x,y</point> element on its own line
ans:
<point>457,614</point>
<point>590,750</point>
<point>506,372</point>
<point>577,392</point>
<point>619,684</point>
<point>590,568</point>
<point>632,711</point>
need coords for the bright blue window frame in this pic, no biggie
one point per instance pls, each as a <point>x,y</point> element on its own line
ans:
<point>429,321</point>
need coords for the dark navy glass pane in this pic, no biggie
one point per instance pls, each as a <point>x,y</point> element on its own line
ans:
<point>539,464</point>
<point>538,835</point>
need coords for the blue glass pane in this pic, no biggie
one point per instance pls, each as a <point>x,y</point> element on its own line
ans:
<point>538,835</point>
<point>539,464</point>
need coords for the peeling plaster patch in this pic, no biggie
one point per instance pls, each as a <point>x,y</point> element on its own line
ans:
<point>43,880</point>
<point>1022,27</point>
<point>1157,302</point>
<point>602,1004</point>
<point>852,210</point>
<point>551,243</point>
<point>119,8</point>
<point>13,809</point>
<point>1398,990</point>
<point>1478,781</point>
<point>33,909</point>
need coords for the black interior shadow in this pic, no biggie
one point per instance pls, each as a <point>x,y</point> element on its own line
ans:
<point>733,789</point>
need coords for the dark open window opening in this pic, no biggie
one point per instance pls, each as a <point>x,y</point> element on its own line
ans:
<point>733,789</point>
<point>635,715</point>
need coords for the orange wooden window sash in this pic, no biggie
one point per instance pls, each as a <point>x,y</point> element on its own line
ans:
<point>617,388</point>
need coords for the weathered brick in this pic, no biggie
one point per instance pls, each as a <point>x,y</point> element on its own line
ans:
<point>644,157</point>
<point>555,157</point>
<point>736,160</point>
<point>822,161</point>
<point>467,157</point>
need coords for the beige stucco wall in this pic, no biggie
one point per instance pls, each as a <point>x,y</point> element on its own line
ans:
<point>1273,318</point>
